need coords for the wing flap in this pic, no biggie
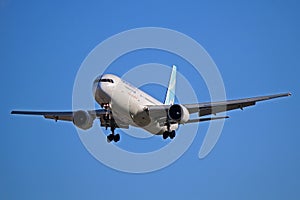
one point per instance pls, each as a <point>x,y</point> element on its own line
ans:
<point>214,109</point>
<point>56,117</point>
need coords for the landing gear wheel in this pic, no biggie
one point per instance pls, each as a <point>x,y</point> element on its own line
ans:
<point>172,134</point>
<point>116,138</point>
<point>110,137</point>
<point>165,135</point>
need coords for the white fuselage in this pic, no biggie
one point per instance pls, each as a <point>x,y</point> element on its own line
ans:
<point>127,103</point>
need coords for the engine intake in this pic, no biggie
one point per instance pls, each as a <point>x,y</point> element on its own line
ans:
<point>179,113</point>
<point>83,120</point>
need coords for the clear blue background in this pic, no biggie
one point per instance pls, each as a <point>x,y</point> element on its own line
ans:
<point>256,46</point>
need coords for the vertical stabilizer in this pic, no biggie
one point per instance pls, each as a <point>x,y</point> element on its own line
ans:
<point>170,96</point>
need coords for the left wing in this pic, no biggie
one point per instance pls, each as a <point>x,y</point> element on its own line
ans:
<point>160,112</point>
<point>222,106</point>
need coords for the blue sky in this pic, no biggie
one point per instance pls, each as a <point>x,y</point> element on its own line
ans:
<point>255,46</point>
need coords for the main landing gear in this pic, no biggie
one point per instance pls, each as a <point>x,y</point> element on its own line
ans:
<point>170,134</point>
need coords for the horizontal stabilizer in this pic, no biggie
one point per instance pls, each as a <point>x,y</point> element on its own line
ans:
<point>206,119</point>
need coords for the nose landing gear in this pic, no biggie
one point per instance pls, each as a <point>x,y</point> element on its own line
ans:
<point>113,137</point>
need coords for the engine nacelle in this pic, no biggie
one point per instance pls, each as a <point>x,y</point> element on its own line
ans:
<point>179,113</point>
<point>83,120</point>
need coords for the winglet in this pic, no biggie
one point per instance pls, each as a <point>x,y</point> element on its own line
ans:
<point>170,96</point>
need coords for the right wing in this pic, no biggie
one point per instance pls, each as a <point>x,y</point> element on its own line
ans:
<point>69,116</point>
<point>59,115</point>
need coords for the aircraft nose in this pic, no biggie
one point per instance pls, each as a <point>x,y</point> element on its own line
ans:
<point>104,85</point>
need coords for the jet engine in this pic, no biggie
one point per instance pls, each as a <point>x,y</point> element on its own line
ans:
<point>83,120</point>
<point>179,113</point>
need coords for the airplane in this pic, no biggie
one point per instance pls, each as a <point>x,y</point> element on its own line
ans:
<point>124,105</point>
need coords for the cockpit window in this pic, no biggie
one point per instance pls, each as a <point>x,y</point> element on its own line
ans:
<point>106,80</point>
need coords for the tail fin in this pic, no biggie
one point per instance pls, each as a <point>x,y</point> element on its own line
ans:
<point>170,96</point>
